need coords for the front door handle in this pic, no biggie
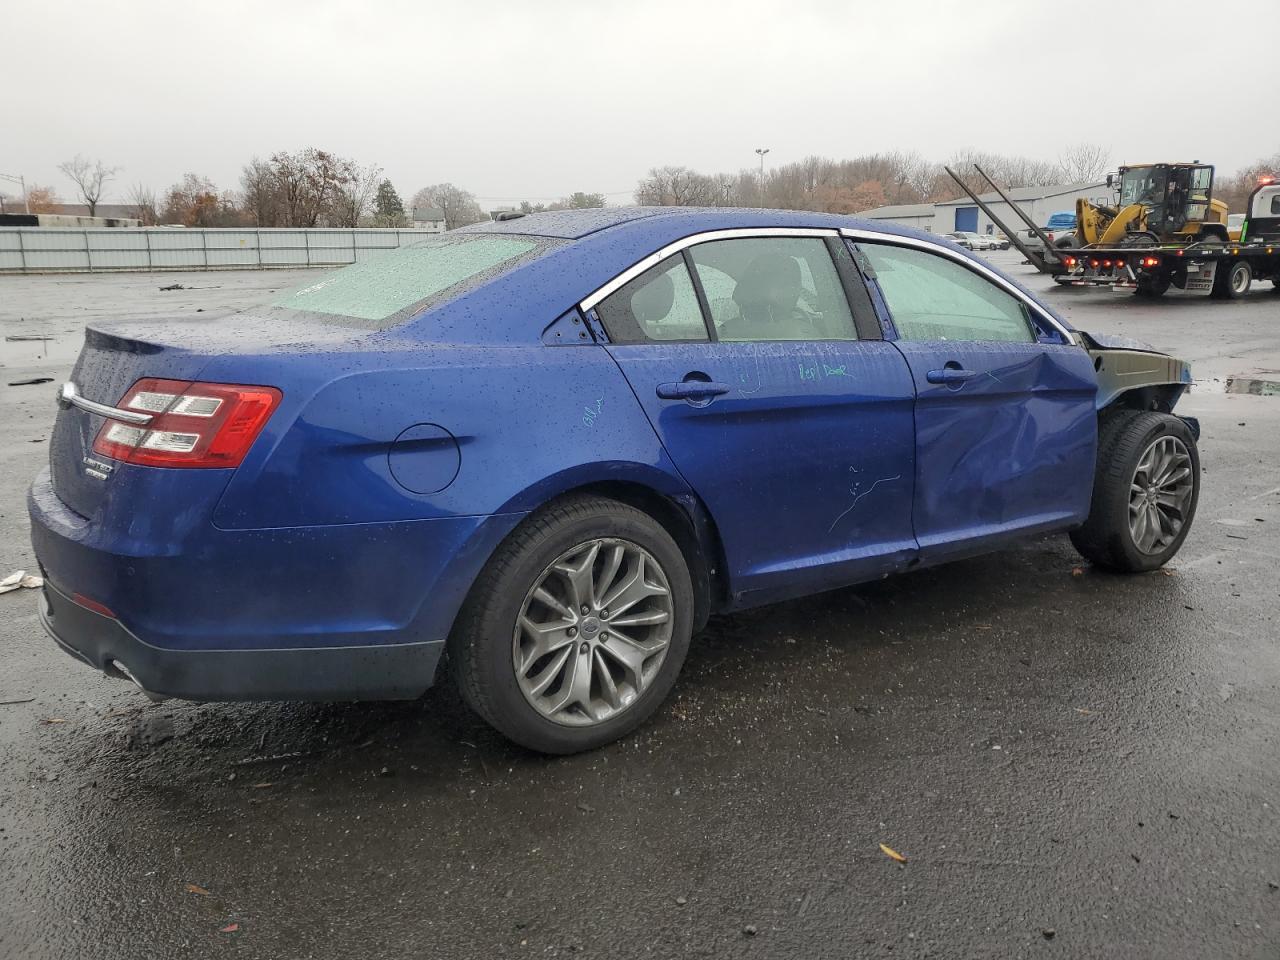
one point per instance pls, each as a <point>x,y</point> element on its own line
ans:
<point>949,374</point>
<point>692,390</point>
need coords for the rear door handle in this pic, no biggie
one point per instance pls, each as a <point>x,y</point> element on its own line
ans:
<point>950,375</point>
<point>692,390</point>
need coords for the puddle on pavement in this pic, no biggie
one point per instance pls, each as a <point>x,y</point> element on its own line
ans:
<point>1258,384</point>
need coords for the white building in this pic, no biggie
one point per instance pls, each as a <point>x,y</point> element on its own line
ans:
<point>430,219</point>
<point>1039,203</point>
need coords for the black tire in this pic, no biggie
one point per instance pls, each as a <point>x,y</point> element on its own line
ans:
<point>1151,288</point>
<point>1123,437</point>
<point>480,645</point>
<point>1232,280</point>
<point>1065,243</point>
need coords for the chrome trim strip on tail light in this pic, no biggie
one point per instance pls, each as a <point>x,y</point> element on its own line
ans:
<point>69,396</point>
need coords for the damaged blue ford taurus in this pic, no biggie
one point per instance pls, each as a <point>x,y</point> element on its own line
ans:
<point>553,446</point>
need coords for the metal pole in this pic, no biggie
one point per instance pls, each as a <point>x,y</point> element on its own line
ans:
<point>204,244</point>
<point>762,151</point>
<point>22,252</point>
<point>1035,259</point>
<point>147,233</point>
<point>26,201</point>
<point>1018,210</point>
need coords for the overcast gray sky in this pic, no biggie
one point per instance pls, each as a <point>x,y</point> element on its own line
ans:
<point>538,99</point>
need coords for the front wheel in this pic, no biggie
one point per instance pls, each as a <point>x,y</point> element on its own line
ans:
<point>576,630</point>
<point>1145,490</point>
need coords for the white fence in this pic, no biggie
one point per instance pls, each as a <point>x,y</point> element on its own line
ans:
<point>78,250</point>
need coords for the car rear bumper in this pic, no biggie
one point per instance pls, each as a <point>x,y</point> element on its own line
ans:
<point>345,611</point>
<point>371,672</point>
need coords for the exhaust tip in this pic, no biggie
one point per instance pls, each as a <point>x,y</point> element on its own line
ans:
<point>121,672</point>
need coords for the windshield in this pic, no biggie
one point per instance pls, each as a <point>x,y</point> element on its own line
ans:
<point>1143,185</point>
<point>389,287</point>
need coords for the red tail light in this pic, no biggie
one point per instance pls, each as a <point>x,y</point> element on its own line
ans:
<point>194,424</point>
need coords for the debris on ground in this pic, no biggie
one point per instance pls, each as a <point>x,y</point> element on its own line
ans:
<point>18,580</point>
<point>196,888</point>
<point>174,286</point>
<point>10,703</point>
<point>31,382</point>
<point>750,930</point>
<point>26,337</point>
<point>229,928</point>
<point>892,854</point>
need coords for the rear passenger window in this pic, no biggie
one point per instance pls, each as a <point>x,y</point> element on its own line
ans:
<point>773,288</point>
<point>658,305</point>
<point>933,298</point>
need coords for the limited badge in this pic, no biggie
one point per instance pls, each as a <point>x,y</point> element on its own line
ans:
<point>97,469</point>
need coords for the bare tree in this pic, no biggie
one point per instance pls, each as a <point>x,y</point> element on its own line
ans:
<point>41,199</point>
<point>90,177</point>
<point>458,206</point>
<point>354,195</point>
<point>1233,189</point>
<point>143,199</point>
<point>1084,163</point>
<point>259,191</point>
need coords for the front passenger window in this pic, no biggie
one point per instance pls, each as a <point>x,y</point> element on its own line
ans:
<point>934,298</point>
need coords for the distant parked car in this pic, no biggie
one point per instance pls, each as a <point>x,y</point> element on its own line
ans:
<point>555,445</point>
<point>970,240</point>
<point>1061,231</point>
<point>998,242</point>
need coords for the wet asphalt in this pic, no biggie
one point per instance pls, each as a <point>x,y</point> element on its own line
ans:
<point>1073,764</point>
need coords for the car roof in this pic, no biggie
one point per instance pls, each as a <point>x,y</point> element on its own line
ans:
<point>676,221</point>
<point>596,245</point>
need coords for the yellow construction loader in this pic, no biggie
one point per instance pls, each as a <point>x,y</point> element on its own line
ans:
<point>1158,203</point>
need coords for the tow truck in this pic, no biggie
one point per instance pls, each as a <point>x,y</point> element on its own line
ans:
<point>1213,264</point>
<point>1205,261</point>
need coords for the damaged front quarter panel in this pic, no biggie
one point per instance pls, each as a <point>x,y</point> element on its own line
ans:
<point>1134,375</point>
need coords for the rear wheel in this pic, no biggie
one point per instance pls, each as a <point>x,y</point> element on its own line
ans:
<point>575,632</point>
<point>1146,486</point>
<point>1152,287</point>
<point>1232,280</point>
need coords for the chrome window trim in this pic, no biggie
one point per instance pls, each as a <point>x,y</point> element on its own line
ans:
<point>735,233</point>
<point>69,396</point>
<point>852,233</point>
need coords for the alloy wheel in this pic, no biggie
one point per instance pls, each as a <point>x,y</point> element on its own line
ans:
<point>1160,494</point>
<point>593,631</point>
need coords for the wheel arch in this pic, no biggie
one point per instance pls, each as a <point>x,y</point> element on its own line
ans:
<point>1161,397</point>
<point>662,494</point>
<point>1137,379</point>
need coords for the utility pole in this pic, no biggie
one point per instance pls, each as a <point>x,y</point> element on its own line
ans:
<point>26,204</point>
<point>762,151</point>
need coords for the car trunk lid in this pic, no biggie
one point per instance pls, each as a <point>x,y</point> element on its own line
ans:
<point>111,360</point>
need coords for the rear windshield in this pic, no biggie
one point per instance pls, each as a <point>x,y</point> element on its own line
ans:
<point>390,287</point>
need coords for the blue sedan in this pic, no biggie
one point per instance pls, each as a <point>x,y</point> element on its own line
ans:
<point>553,446</point>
